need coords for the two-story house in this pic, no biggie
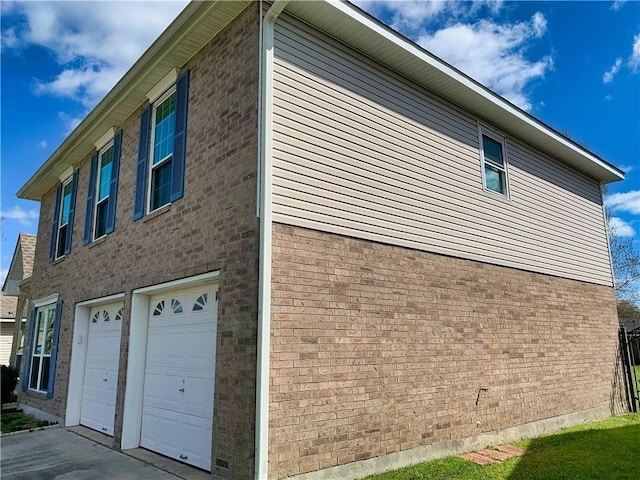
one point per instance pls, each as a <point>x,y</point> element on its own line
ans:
<point>291,242</point>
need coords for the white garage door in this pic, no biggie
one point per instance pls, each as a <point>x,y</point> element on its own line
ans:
<point>101,368</point>
<point>177,412</point>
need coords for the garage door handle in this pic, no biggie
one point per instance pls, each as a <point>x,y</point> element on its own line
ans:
<point>181,389</point>
<point>104,379</point>
<point>183,457</point>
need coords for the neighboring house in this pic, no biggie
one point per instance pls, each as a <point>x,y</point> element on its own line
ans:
<point>7,321</point>
<point>291,240</point>
<point>16,292</point>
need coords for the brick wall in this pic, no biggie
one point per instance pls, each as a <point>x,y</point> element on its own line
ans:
<point>213,227</point>
<point>377,349</point>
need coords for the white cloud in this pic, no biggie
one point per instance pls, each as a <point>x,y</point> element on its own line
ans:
<point>93,42</point>
<point>634,60</point>
<point>626,168</point>
<point>43,144</point>
<point>25,217</point>
<point>620,228</point>
<point>617,4</point>
<point>70,123</point>
<point>612,72</point>
<point>409,16</point>
<point>624,202</point>
<point>608,97</point>
<point>493,54</point>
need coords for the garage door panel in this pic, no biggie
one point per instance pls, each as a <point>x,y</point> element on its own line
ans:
<point>159,432</point>
<point>196,444</point>
<point>179,375</point>
<point>162,390</point>
<point>101,368</point>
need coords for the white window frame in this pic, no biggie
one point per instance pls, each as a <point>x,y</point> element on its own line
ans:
<point>163,161</point>
<point>484,131</point>
<point>96,193</point>
<point>68,181</point>
<point>42,355</point>
<point>22,334</point>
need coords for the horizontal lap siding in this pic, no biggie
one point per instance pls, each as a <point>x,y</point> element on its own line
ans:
<point>362,152</point>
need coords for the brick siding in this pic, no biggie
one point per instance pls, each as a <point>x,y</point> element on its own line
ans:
<point>377,349</point>
<point>214,227</point>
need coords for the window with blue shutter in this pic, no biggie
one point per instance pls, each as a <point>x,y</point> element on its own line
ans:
<point>41,351</point>
<point>63,215</point>
<point>103,191</point>
<point>162,149</point>
<point>26,356</point>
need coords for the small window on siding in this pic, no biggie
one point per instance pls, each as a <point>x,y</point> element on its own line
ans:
<point>494,162</point>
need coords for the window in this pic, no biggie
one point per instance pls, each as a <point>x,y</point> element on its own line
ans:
<point>161,149</point>
<point>63,215</point>
<point>22,332</point>
<point>162,136</point>
<point>494,165</point>
<point>103,191</point>
<point>41,346</point>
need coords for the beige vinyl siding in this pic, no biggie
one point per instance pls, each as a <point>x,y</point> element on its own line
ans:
<point>6,339</point>
<point>363,152</point>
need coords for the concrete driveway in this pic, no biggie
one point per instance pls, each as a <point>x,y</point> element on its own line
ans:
<point>59,454</point>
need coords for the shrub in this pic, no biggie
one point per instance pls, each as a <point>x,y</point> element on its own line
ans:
<point>8,383</point>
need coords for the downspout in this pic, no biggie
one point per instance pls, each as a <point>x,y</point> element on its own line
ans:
<point>265,160</point>
<point>608,235</point>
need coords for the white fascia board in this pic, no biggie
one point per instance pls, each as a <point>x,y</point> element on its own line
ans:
<point>182,283</point>
<point>101,301</point>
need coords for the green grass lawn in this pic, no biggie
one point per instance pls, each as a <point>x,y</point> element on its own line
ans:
<point>609,449</point>
<point>15,421</point>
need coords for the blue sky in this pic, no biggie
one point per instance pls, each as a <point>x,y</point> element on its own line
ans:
<point>574,65</point>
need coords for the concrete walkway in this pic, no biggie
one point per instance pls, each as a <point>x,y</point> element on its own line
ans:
<point>59,454</point>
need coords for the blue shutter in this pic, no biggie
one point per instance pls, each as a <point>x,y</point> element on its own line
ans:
<point>72,211</point>
<point>26,356</point>
<point>88,219</point>
<point>180,138</point>
<point>54,349</point>
<point>54,229</point>
<point>141,170</point>
<point>113,188</point>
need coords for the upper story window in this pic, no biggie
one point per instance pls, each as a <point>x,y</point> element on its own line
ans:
<point>162,146</point>
<point>494,162</point>
<point>105,166</point>
<point>103,189</point>
<point>64,213</point>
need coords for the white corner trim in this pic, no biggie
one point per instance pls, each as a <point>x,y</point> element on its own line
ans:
<point>105,138</point>
<point>66,174</point>
<point>162,86</point>
<point>42,301</point>
<point>265,159</point>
